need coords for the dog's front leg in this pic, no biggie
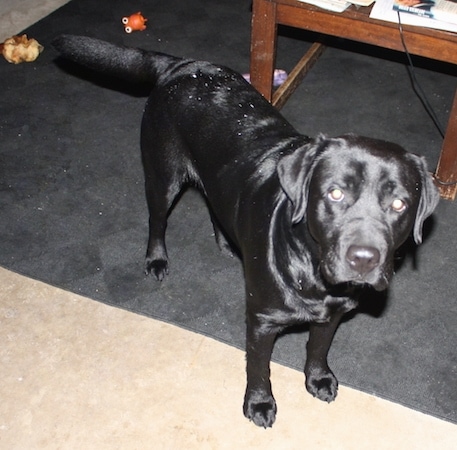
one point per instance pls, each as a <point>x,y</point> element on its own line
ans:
<point>320,381</point>
<point>259,403</point>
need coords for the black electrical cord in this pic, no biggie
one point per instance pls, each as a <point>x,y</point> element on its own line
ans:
<point>415,83</point>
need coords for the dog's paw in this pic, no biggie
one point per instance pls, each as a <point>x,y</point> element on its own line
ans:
<point>322,385</point>
<point>156,267</point>
<point>261,409</point>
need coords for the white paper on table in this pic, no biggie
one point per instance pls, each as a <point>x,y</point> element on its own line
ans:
<point>383,10</point>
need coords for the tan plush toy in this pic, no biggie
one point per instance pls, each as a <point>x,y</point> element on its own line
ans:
<point>19,49</point>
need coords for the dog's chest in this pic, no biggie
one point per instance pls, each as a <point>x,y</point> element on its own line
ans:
<point>315,307</point>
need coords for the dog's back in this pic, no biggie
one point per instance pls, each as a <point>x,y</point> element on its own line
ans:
<point>217,96</point>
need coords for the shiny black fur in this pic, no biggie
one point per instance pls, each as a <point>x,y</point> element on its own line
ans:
<point>313,219</point>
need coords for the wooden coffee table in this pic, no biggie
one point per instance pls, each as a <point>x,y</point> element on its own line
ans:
<point>354,24</point>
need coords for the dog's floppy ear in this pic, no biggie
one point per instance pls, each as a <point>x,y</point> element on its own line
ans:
<point>428,200</point>
<point>295,171</point>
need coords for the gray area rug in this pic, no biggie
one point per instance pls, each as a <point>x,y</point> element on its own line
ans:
<point>73,211</point>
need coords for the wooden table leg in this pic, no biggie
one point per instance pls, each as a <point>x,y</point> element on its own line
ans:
<point>446,172</point>
<point>263,46</point>
<point>297,74</point>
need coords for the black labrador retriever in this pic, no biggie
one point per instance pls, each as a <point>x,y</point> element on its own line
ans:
<point>313,219</point>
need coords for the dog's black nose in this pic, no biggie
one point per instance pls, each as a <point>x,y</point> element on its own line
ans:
<point>362,259</point>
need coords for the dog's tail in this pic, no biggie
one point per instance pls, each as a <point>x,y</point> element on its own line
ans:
<point>132,64</point>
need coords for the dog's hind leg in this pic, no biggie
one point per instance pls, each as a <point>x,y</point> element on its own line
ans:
<point>159,202</point>
<point>165,175</point>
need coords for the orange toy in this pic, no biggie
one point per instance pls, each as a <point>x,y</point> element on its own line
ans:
<point>135,22</point>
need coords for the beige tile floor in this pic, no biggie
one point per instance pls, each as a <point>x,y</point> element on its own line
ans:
<point>77,374</point>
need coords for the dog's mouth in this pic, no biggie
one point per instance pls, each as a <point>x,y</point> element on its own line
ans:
<point>377,278</point>
<point>380,284</point>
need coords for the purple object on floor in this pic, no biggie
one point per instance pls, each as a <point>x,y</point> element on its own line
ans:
<point>279,76</point>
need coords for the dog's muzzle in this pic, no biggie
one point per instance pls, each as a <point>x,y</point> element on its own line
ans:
<point>357,264</point>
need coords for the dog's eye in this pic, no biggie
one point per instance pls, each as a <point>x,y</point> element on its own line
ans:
<point>336,195</point>
<point>398,205</point>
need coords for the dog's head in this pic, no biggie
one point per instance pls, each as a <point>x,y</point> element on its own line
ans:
<point>360,199</point>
